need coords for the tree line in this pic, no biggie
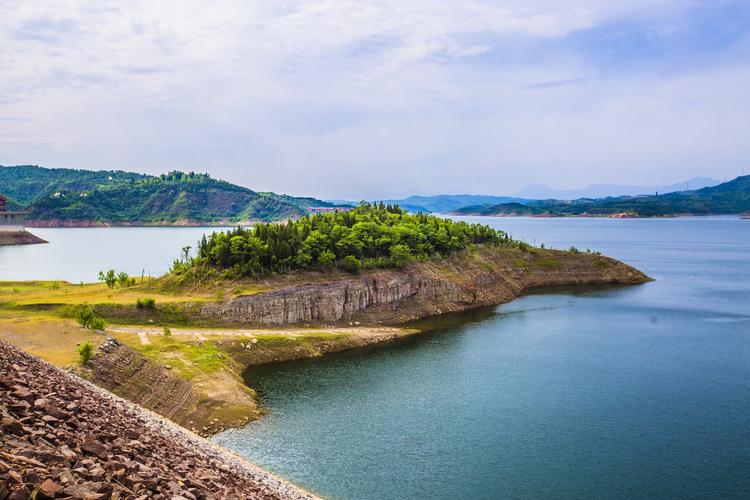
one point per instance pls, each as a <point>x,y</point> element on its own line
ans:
<point>370,235</point>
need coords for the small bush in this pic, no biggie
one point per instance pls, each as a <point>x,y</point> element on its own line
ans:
<point>574,250</point>
<point>146,303</point>
<point>400,255</point>
<point>85,352</point>
<point>87,318</point>
<point>351,264</point>
<point>167,331</point>
<point>110,278</point>
<point>123,279</point>
<point>549,264</point>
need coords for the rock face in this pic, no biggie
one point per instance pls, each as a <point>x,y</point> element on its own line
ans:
<point>62,437</point>
<point>386,297</point>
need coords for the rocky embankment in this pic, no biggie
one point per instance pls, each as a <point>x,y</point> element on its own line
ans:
<point>19,238</point>
<point>485,277</point>
<point>62,437</point>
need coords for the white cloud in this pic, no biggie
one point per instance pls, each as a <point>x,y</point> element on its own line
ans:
<point>361,98</point>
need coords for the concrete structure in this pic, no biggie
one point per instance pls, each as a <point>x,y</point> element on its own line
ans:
<point>10,222</point>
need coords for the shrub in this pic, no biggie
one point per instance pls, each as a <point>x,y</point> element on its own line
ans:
<point>351,264</point>
<point>147,303</point>
<point>85,352</point>
<point>123,279</point>
<point>400,255</point>
<point>110,278</point>
<point>167,331</point>
<point>574,250</point>
<point>327,258</point>
<point>549,264</point>
<point>87,318</point>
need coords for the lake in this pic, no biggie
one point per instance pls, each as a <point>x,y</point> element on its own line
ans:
<point>637,392</point>
<point>78,254</point>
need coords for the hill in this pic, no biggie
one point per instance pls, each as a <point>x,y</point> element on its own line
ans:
<point>370,236</point>
<point>81,197</point>
<point>731,197</point>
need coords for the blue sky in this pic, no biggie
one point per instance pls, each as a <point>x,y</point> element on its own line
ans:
<point>384,98</point>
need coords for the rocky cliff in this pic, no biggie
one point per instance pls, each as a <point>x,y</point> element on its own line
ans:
<point>61,437</point>
<point>480,278</point>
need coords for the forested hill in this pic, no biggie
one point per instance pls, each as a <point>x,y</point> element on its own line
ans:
<point>731,197</point>
<point>81,197</point>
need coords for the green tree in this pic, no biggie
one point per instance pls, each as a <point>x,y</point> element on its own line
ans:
<point>85,353</point>
<point>123,279</point>
<point>327,258</point>
<point>400,255</point>
<point>110,278</point>
<point>351,264</point>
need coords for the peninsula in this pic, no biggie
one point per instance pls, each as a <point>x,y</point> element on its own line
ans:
<point>276,292</point>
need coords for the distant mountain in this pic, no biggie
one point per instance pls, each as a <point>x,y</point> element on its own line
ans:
<point>542,192</point>
<point>442,203</point>
<point>62,196</point>
<point>731,197</point>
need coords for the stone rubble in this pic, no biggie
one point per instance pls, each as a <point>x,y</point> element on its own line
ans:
<point>62,437</point>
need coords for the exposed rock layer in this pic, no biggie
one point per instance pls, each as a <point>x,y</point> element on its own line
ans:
<point>487,277</point>
<point>130,375</point>
<point>61,437</point>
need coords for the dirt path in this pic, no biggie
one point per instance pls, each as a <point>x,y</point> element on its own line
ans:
<point>144,332</point>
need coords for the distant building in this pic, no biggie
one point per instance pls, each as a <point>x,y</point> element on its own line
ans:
<point>10,222</point>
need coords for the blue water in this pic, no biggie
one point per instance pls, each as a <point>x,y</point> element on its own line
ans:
<point>637,392</point>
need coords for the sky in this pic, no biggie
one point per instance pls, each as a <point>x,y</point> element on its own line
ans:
<point>365,99</point>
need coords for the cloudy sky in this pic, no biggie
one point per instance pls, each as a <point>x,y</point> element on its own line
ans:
<point>339,98</point>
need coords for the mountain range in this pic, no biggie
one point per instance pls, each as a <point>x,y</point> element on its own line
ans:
<point>542,192</point>
<point>447,203</point>
<point>731,197</point>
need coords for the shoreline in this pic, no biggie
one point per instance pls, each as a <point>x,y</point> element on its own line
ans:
<point>61,224</point>
<point>198,367</point>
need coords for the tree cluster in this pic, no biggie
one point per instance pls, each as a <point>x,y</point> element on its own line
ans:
<point>370,235</point>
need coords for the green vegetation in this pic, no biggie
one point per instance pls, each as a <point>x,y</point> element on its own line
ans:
<point>123,197</point>
<point>148,303</point>
<point>167,331</point>
<point>87,318</point>
<point>109,278</point>
<point>729,198</point>
<point>367,236</point>
<point>85,352</point>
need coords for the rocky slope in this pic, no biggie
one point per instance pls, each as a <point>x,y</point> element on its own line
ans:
<point>19,238</point>
<point>61,437</point>
<point>484,277</point>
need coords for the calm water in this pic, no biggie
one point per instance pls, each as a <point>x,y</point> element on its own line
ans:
<point>78,254</point>
<point>640,392</point>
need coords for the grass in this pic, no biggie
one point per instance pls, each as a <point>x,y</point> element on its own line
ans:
<point>48,337</point>
<point>190,358</point>
<point>27,293</point>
